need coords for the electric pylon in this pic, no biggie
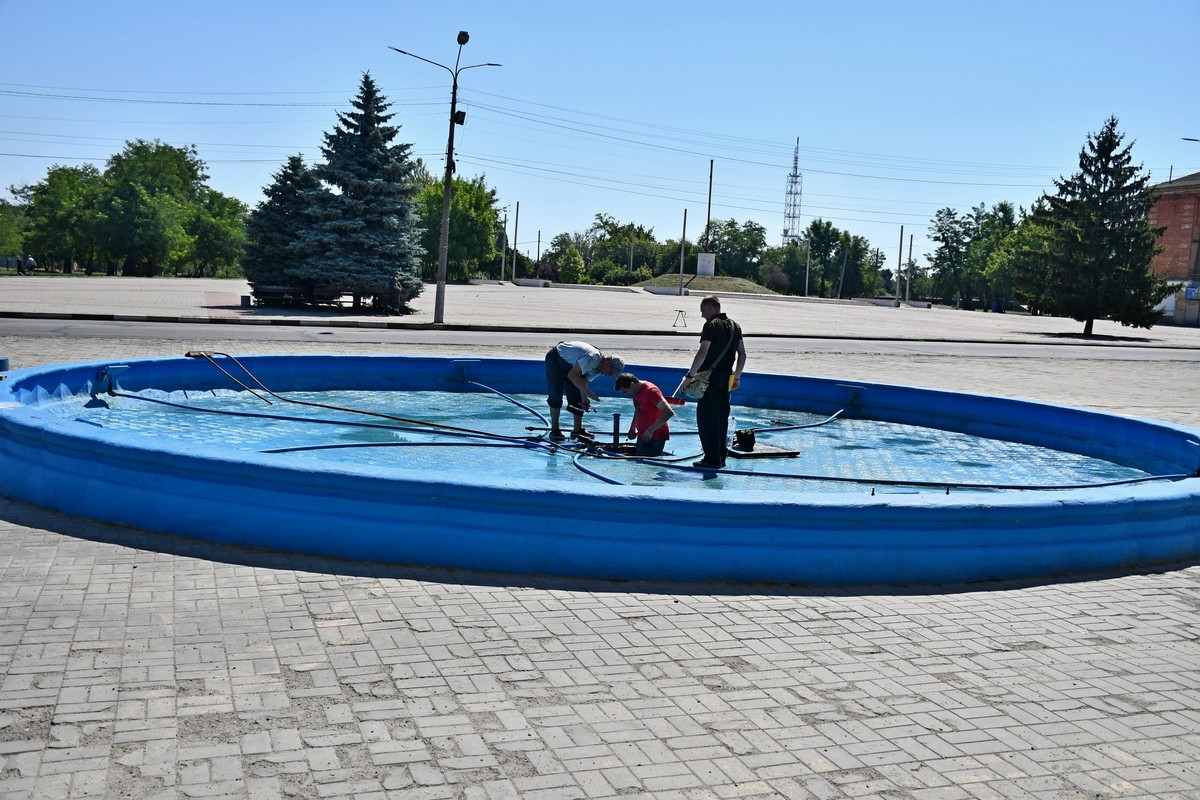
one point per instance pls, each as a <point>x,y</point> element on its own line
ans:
<point>791,203</point>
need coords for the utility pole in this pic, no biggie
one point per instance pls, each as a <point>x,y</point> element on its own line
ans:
<point>708,220</point>
<point>908,283</point>
<point>516,222</point>
<point>845,257</point>
<point>807,263</point>
<point>899,269</point>
<point>456,118</point>
<point>504,245</point>
<point>682,250</point>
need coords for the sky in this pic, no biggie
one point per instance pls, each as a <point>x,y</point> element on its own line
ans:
<point>898,109</point>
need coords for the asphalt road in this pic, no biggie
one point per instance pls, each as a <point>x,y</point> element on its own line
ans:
<point>648,343</point>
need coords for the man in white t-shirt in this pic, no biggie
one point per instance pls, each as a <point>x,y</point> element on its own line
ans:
<point>569,368</point>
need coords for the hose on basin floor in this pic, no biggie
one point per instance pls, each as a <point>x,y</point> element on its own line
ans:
<point>208,356</point>
<point>947,485</point>
<point>512,400</point>
<point>787,427</point>
<point>355,445</point>
<point>420,429</point>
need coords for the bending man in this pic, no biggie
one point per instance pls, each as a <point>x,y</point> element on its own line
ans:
<point>569,367</point>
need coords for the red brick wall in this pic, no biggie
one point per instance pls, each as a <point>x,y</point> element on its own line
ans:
<point>1180,213</point>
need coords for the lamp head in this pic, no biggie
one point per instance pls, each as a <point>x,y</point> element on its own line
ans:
<point>463,38</point>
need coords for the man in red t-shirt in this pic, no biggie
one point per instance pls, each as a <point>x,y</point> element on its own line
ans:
<point>650,414</point>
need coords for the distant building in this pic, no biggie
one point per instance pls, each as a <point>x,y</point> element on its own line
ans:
<point>1178,210</point>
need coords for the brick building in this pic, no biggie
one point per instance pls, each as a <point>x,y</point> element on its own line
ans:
<point>1178,209</point>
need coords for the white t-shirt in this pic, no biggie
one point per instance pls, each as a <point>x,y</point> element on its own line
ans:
<point>587,357</point>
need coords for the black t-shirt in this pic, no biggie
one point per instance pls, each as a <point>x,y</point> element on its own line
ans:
<point>719,332</point>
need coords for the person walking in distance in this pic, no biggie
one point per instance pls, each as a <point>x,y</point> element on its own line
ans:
<point>722,351</point>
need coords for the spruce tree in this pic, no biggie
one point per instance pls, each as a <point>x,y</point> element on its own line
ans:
<point>276,225</point>
<point>365,224</point>
<point>1100,243</point>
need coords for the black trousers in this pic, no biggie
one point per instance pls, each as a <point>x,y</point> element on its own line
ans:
<point>712,420</point>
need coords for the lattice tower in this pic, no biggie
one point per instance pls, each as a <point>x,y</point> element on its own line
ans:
<point>791,203</point>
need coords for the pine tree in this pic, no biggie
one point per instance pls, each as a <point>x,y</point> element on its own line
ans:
<point>365,224</point>
<point>1100,243</point>
<point>276,225</point>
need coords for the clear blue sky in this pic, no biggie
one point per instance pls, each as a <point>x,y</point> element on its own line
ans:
<point>901,108</point>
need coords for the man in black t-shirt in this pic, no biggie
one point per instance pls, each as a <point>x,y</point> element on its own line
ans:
<point>720,346</point>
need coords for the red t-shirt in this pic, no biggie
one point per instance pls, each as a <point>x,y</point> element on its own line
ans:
<point>646,410</point>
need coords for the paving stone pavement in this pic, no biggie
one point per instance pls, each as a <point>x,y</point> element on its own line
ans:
<point>136,665</point>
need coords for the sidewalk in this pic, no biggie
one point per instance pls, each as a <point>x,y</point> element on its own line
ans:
<point>145,666</point>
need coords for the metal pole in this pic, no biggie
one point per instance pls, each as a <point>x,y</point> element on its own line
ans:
<point>504,246</point>
<point>708,220</point>
<point>516,222</point>
<point>439,303</point>
<point>908,283</point>
<point>807,263</point>
<point>899,268</point>
<point>845,257</point>
<point>444,240</point>
<point>682,249</point>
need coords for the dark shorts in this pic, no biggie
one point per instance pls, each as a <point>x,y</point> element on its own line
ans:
<point>652,448</point>
<point>557,382</point>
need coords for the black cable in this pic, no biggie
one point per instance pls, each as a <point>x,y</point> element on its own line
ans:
<point>208,356</point>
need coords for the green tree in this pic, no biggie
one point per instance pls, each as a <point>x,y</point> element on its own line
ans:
<point>993,228</point>
<point>616,245</point>
<point>738,248</point>
<point>822,239</point>
<point>783,268</point>
<point>145,232</point>
<point>275,226</point>
<point>570,266</point>
<point>873,283</point>
<point>1026,252</point>
<point>365,224</point>
<point>952,234</point>
<point>1100,243</point>
<point>667,256</point>
<point>850,260</point>
<point>553,255</point>
<point>62,212</point>
<point>218,230</point>
<point>151,188</point>
<point>12,226</point>
<point>474,222</point>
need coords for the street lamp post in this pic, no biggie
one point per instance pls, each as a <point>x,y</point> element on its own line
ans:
<point>456,118</point>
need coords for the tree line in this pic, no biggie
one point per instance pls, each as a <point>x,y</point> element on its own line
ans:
<point>148,212</point>
<point>369,211</point>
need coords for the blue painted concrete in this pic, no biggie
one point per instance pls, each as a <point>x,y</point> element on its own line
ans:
<point>485,522</point>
